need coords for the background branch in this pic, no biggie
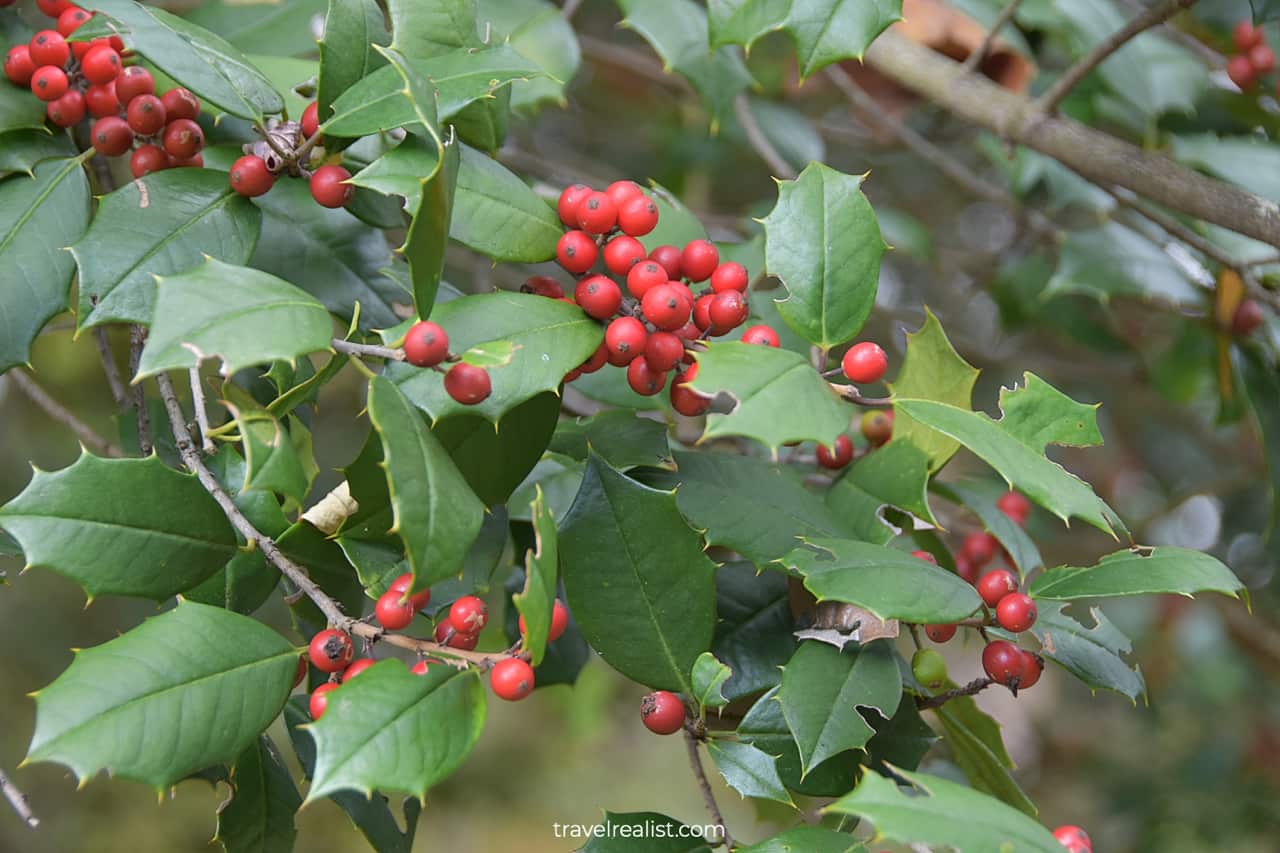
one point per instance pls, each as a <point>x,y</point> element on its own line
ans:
<point>18,800</point>
<point>137,338</point>
<point>695,762</point>
<point>60,413</point>
<point>114,382</point>
<point>202,416</point>
<point>759,141</point>
<point>1006,15</point>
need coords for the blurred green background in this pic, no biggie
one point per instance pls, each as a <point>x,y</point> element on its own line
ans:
<point>1197,768</point>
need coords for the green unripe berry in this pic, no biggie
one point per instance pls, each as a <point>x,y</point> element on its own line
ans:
<point>929,668</point>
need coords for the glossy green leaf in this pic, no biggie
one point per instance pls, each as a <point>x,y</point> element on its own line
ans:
<point>85,522</point>
<point>425,28</point>
<point>398,96</point>
<point>361,739</point>
<point>484,124</point>
<point>550,339</point>
<point>780,397</point>
<point>977,747</point>
<point>823,242</point>
<point>351,28</point>
<point>753,628</point>
<point>541,577</point>
<point>940,812</point>
<point>749,771</point>
<point>677,31</point>
<point>39,216</point>
<point>20,150</point>
<point>272,27</point>
<point>744,21</point>
<point>1092,654</point>
<point>276,457</point>
<point>823,689</point>
<point>428,235</point>
<point>707,678</point>
<point>289,76</point>
<point>1020,547</point>
<point>182,691</point>
<point>765,727</point>
<point>932,370</point>
<point>904,739</point>
<point>623,832</point>
<point>196,58</point>
<point>1164,569</point>
<point>807,839</point>
<point>538,31</point>
<point>400,170</point>
<point>640,588</point>
<point>20,111</point>
<point>495,458</point>
<point>1248,161</point>
<point>896,475</point>
<point>498,215</point>
<point>237,314</point>
<point>890,583</point>
<point>622,438</point>
<point>160,225</point>
<point>259,816</point>
<point>824,31</point>
<point>1114,260</point>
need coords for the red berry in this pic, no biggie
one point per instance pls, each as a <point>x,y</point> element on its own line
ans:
<point>49,83</point>
<point>101,64</point>
<point>1016,612</point>
<point>596,212</point>
<point>865,363</point>
<point>1032,668</point>
<point>966,569</point>
<point>622,253</point>
<point>145,115</point>
<point>684,399</point>
<point>468,615</point>
<point>622,192</point>
<point>71,19</point>
<point>727,310</point>
<point>195,162</point>
<point>136,80</point>
<point>1015,506</point>
<point>1241,72</point>
<point>1075,839</point>
<point>320,699</point>
<point>877,426</point>
<point>403,584</point>
<point>841,456</point>
<point>301,672</point>
<point>940,633</point>
<point>576,251</point>
<point>328,189</point>
<point>599,296</point>
<point>178,103</point>
<point>663,351</point>
<point>1002,661</point>
<point>53,8</point>
<point>102,100</point>
<point>511,679</point>
<point>645,276</point>
<point>643,379</point>
<point>1262,58</point>
<point>669,258</point>
<point>455,639</point>
<point>1247,318</point>
<point>18,66</point>
<point>625,339</point>
<point>249,175</point>
<point>567,206</point>
<point>730,276</point>
<point>183,138</point>
<point>67,110</point>
<point>702,311</point>
<point>331,650</point>
<point>48,47</point>
<point>111,136</point>
<point>559,622</point>
<point>598,359</point>
<point>761,335</point>
<point>638,216</point>
<point>662,712</point>
<point>391,613</point>
<point>664,306</point>
<point>980,547</point>
<point>356,668</point>
<point>425,344</point>
<point>147,159</point>
<point>699,260</point>
<point>543,285</point>
<point>996,584</point>
<point>925,555</point>
<point>467,383</point>
<point>421,667</point>
<point>310,120</point>
<point>1247,36</point>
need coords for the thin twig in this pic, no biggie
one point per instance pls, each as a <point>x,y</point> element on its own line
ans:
<point>1153,16</point>
<point>372,350</point>
<point>1210,57</point>
<point>137,338</point>
<point>18,800</point>
<point>971,689</point>
<point>202,416</point>
<point>60,413</point>
<point>695,762</point>
<point>109,367</point>
<point>1006,15</point>
<point>850,393</point>
<point>759,141</point>
<point>570,8</point>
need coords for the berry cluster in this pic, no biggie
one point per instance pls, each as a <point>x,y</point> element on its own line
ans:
<point>79,79</point>
<point>1254,59</point>
<point>427,345</point>
<point>291,147</point>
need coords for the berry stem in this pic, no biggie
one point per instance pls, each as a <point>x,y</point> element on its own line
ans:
<point>367,350</point>
<point>850,393</point>
<point>695,763</point>
<point>938,700</point>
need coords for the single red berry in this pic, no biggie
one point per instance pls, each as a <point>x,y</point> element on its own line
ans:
<point>622,253</point>
<point>328,189</point>
<point>49,83</point>
<point>597,214</point>
<point>178,103</point>
<point>966,569</point>
<point>1032,668</point>
<point>301,672</point>
<point>690,332</point>
<point>996,584</point>
<point>425,344</point>
<point>80,48</point>
<point>877,426</point>
<point>1002,661</point>
<point>331,650</point>
<point>356,667</point>
<point>567,205</point>
<point>403,584</point>
<point>71,19</point>
<point>730,276</point>
<point>511,679</point>
<point>53,8</point>
<point>669,258</point>
<point>645,276</point>
<point>598,359</point>
<point>643,379</point>
<point>921,554</point>
<point>836,458</point>
<point>662,712</point>
<point>1247,36</point>
<point>101,64</point>
<point>1015,506</point>
<point>67,110</point>
<point>599,296</point>
<point>183,138</point>
<point>147,159</point>
<point>111,136</point>
<point>576,251</point>
<point>559,622</point>
<point>136,80</point>
<point>320,699</point>
<point>702,311</point>
<point>761,335</point>
<point>664,306</point>
<point>467,383</point>
<point>625,339</point>
<point>1241,72</point>
<point>102,100</point>
<point>468,615</point>
<point>940,633</point>
<point>663,351</point>
<point>18,65</point>
<point>310,120</point>
<point>1262,58</point>
<point>543,285</point>
<point>455,639</point>
<point>1247,318</point>
<point>421,667</point>
<point>684,399</point>
<point>638,216</point>
<point>1016,612</point>
<point>727,310</point>
<point>622,192</point>
<point>699,260</point>
<point>196,162</point>
<point>1074,838</point>
<point>48,47</point>
<point>250,175</point>
<point>145,115</point>
<point>864,363</point>
<point>572,375</point>
<point>980,547</point>
<point>391,612</point>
